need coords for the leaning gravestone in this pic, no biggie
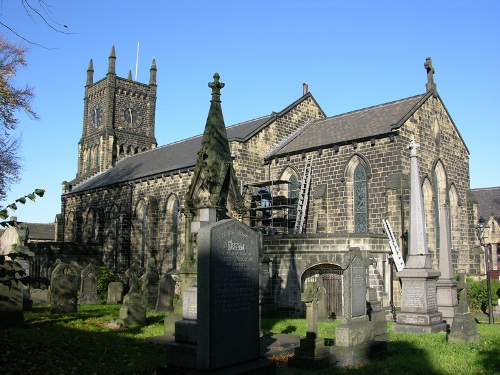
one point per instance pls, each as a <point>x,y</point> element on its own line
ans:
<point>166,292</point>
<point>115,292</point>
<point>11,297</point>
<point>227,305</point>
<point>88,287</point>
<point>63,289</point>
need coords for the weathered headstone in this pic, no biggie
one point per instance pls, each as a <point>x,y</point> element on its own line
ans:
<point>133,310</point>
<point>64,289</point>
<point>419,311</point>
<point>11,297</point>
<point>150,284</point>
<point>166,292</point>
<point>115,292</point>
<point>463,329</point>
<point>355,341</point>
<point>40,297</point>
<point>88,286</point>
<point>312,352</point>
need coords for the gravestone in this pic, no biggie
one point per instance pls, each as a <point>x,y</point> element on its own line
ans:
<point>133,311</point>
<point>150,284</point>
<point>312,352</point>
<point>11,297</point>
<point>227,318</point>
<point>355,341</point>
<point>115,292</point>
<point>40,297</point>
<point>88,286</point>
<point>463,329</point>
<point>419,311</point>
<point>166,292</point>
<point>64,289</point>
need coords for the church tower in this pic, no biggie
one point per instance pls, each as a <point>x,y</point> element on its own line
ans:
<point>118,119</point>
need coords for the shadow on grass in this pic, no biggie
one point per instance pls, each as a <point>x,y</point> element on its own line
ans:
<point>50,344</point>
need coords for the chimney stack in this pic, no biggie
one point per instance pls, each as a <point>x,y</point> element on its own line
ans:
<point>305,88</point>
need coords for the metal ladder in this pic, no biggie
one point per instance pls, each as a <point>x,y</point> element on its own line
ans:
<point>303,195</point>
<point>396,253</point>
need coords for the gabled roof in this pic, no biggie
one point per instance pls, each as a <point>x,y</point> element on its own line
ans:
<point>488,202</point>
<point>174,157</point>
<point>352,126</point>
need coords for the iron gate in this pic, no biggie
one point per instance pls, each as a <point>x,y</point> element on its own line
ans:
<point>331,277</point>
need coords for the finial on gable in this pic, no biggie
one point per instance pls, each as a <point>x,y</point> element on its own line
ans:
<point>129,75</point>
<point>430,85</point>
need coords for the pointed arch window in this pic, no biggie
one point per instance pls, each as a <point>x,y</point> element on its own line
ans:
<point>360,200</point>
<point>175,223</point>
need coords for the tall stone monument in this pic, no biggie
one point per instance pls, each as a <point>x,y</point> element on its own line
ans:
<point>447,299</point>
<point>220,328</point>
<point>213,193</point>
<point>419,311</point>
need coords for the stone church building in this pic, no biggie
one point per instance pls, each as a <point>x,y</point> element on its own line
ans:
<point>316,185</point>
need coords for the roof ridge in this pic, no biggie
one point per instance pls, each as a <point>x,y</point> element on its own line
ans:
<point>375,106</point>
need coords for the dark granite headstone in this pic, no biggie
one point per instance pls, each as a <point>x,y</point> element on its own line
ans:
<point>228,295</point>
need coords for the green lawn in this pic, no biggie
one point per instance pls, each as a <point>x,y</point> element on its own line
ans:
<point>89,342</point>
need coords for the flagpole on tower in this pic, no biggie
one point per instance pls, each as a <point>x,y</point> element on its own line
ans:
<point>137,61</point>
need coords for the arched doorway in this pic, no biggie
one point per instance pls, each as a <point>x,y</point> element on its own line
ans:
<point>330,275</point>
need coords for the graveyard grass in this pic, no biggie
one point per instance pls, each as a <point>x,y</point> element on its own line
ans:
<point>89,342</point>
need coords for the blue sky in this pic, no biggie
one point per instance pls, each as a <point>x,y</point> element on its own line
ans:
<point>353,54</point>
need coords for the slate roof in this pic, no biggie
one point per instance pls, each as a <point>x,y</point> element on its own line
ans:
<point>357,125</point>
<point>363,124</point>
<point>171,158</point>
<point>488,202</point>
<point>41,232</point>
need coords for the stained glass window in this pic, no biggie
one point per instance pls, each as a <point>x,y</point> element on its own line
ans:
<point>360,200</point>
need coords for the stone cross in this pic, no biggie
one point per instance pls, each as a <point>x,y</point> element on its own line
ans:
<point>216,86</point>
<point>463,303</point>
<point>311,298</point>
<point>430,74</point>
<point>413,146</point>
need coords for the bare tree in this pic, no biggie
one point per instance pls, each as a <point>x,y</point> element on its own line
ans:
<point>12,100</point>
<point>37,11</point>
